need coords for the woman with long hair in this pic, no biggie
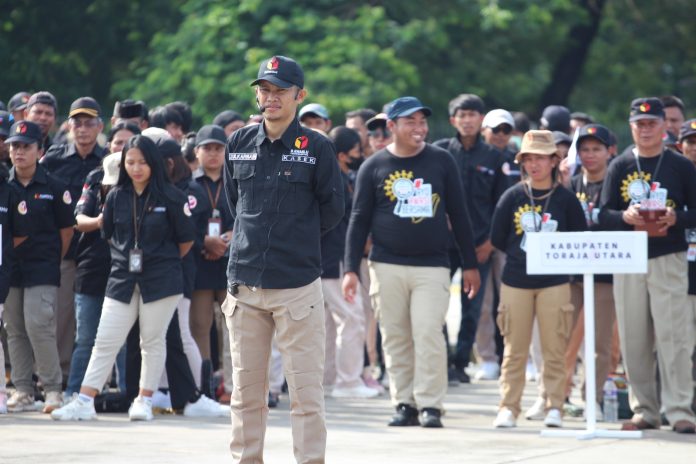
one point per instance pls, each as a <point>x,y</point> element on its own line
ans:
<point>538,203</point>
<point>147,223</point>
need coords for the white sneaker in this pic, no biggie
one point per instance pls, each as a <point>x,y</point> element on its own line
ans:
<point>361,391</point>
<point>531,373</point>
<point>140,410</point>
<point>536,412</point>
<point>161,401</point>
<point>205,407</point>
<point>488,371</point>
<point>54,400</point>
<point>3,403</point>
<point>21,401</point>
<point>75,410</point>
<point>505,419</point>
<point>553,418</point>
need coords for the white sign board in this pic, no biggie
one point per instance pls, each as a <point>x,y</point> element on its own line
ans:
<point>587,252</point>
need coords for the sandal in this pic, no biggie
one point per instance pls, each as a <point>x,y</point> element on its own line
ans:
<point>640,425</point>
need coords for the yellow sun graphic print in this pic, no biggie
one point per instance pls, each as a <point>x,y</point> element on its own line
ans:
<point>414,197</point>
<point>393,182</point>
<point>634,188</point>
<point>526,219</point>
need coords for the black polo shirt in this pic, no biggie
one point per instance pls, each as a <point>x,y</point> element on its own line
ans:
<point>284,195</point>
<point>166,223</point>
<point>199,216</point>
<point>48,208</point>
<point>211,275</point>
<point>92,254</point>
<point>333,243</point>
<point>63,162</point>
<point>480,168</point>
<point>13,224</point>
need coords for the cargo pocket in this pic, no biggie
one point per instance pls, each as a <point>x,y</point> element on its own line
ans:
<point>565,320</point>
<point>503,319</point>
<point>244,175</point>
<point>229,305</point>
<point>301,311</point>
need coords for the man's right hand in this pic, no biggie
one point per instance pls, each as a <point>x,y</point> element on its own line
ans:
<point>350,286</point>
<point>632,217</point>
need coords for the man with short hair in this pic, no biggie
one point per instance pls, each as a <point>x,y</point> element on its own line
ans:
<point>315,116</point>
<point>555,118</point>
<point>284,187</point>
<point>71,162</point>
<point>17,104</point>
<point>357,120</point>
<point>230,121</point>
<point>652,309</point>
<point>42,109</point>
<point>406,196</point>
<point>674,113</point>
<point>480,169</point>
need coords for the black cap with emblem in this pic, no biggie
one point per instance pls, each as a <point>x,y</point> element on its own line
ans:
<point>25,132</point>
<point>281,71</point>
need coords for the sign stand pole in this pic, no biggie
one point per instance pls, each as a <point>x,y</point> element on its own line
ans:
<point>591,430</point>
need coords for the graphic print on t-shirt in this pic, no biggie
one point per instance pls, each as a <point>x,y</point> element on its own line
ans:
<point>414,198</point>
<point>590,209</point>
<point>635,187</point>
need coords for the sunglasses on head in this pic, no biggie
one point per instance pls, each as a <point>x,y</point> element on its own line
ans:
<point>385,134</point>
<point>504,128</point>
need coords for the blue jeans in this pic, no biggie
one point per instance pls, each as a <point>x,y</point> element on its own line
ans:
<point>87,314</point>
<point>471,312</point>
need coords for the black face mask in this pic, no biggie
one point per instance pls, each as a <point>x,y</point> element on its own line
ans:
<point>354,163</point>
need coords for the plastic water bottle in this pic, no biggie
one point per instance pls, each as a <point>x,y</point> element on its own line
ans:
<point>611,401</point>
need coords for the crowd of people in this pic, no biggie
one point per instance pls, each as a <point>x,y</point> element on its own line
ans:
<point>156,267</point>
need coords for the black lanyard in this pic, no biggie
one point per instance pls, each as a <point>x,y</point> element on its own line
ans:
<point>138,222</point>
<point>528,191</point>
<point>642,176</point>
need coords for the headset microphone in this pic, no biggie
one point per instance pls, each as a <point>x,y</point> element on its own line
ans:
<point>260,106</point>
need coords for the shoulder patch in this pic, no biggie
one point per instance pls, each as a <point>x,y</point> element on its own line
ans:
<point>22,207</point>
<point>67,199</point>
<point>187,210</point>
<point>192,202</point>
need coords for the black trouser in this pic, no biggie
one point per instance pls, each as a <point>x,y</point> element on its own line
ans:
<point>182,386</point>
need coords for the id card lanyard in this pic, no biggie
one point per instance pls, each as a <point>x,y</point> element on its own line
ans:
<point>642,175</point>
<point>135,256</point>
<point>214,223</point>
<point>528,191</point>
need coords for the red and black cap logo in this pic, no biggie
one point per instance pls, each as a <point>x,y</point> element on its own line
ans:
<point>301,142</point>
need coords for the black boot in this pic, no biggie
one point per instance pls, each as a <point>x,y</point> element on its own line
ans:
<point>430,418</point>
<point>406,415</point>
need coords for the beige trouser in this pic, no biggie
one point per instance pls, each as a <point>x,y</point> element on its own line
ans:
<point>485,332</point>
<point>370,320</point>
<point>296,316</point>
<point>65,314</point>
<point>348,341</point>
<point>411,303</point>
<point>518,308</point>
<point>117,318</point>
<point>202,315</point>
<point>653,313</point>
<point>605,315</point>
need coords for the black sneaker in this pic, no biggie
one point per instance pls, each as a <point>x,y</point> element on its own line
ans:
<point>430,418</point>
<point>273,399</point>
<point>406,415</point>
<point>457,374</point>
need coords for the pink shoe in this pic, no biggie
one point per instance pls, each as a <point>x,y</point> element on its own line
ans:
<point>370,382</point>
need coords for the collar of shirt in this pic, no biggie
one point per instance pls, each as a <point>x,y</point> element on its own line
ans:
<point>97,151</point>
<point>288,137</point>
<point>199,173</point>
<point>39,176</point>
<point>457,144</point>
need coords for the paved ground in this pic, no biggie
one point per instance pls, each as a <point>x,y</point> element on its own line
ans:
<point>357,434</point>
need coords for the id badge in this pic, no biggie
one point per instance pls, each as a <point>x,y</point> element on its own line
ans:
<point>135,261</point>
<point>523,243</point>
<point>214,225</point>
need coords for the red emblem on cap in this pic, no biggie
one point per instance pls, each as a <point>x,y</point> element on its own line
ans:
<point>272,63</point>
<point>592,130</point>
<point>301,142</point>
<point>25,98</point>
<point>21,129</point>
<point>645,107</point>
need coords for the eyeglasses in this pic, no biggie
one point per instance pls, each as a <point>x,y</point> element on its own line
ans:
<point>88,123</point>
<point>504,128</point>
<point>384,134</point>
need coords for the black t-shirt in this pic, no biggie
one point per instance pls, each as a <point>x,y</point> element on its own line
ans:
<point>64,163</point>
<point>211,274</point>
<point>514,216</point>
<point>47,204</point>
<point>199,217</point>
<point>284,195</point>
<point>166,223</point>
<point>13,224</point>
<point>624,184</point>
<point>92,254</point>
<point>483,181</point>
<point>405,203</point>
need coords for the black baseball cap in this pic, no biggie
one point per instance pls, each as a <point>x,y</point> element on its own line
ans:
<point>580,116</point>
<point>380,120</point>
<point>281,71</point>
<point>211,134</point>
<point>5,123</point>
<point>166,145</point>
<point>406,106</point>
<point>127,109</point>
<point>646,108</point>
<point>596,131</point>
<point>43,97</point>
<point>19,101</point>
<point>687,129</point>
<point>227,117</point>
<point>25,132</point>
<point>556,118</point>
<point>87,106</point>
<point>562,137</point>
